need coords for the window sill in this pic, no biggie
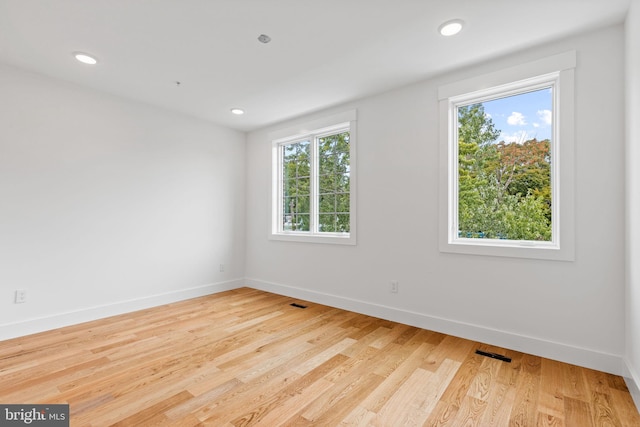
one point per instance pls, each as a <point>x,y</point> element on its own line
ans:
<point>509,248</point>
<point>330,238</point>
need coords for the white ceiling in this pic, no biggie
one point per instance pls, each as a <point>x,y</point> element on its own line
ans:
<point>322,53</point>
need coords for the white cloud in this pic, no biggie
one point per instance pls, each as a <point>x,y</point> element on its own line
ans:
<point>545,116</point>
<point>516,119</point>
<point>536,125</point>
<point>518,137</point>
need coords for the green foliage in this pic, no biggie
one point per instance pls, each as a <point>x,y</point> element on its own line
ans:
<point>334,183</point>
<point>475,127</point>
<point>504,190</point>
<point>484,212</point>
<point>333,177</point>
<point>296,185</point>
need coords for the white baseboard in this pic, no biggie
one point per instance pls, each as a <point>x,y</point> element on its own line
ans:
<point>632,380</point>
<point>32,326</point>
<point>605,362</point>
<point>570,354</point>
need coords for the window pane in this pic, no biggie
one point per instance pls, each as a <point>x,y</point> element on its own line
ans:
<point>303,223</point>
<point>327,203</point>
<point>342,202</point>
<point>333,182</point>
<point>303,186</point>
<point>504,167</point>
<point>327,223</point>
<point>294,201</point>
<point>326,146</point>
<point>342,223</point>
<point>303,205</point>
<point>296,164</point>
<point>343,183</point>
<point>332,223</point>
<point>296,160</point>
<point>327,164</point>
<point>296,187</point>
<point>327,183</point>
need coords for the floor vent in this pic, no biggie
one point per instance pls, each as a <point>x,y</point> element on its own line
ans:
<point>494,356</point>
<point>297,305</point>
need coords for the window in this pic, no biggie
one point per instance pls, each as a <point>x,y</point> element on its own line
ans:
<point>313,196</point>
<point>508,168</point>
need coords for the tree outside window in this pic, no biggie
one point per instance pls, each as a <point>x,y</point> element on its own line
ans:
<point>313,186</point>
<point>504,174</point>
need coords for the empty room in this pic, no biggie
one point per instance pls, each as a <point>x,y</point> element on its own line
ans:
<point>323,213</point>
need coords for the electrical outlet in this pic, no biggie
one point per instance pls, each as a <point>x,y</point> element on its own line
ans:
<point>394,286</point>
<point>221,268</point>
<point>21,296</point>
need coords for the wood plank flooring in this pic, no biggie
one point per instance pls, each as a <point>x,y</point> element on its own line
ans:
<point>247,357</point>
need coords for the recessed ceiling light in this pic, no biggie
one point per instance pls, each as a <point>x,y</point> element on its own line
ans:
<point>237,111</point>
<point>451,28</point>
<point>85,58</point>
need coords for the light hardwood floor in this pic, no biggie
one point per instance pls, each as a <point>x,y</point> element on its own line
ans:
<point>247,357</point>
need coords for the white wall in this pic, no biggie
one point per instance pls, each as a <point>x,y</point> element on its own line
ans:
<point>571,311</point>
<point>633,199</point>
<point>108,205</point>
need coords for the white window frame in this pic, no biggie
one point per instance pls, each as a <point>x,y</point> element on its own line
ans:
<point>312,131</point>
<point>556,71</point>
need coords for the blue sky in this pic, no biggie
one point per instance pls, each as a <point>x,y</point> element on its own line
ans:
<point>522,117</point>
